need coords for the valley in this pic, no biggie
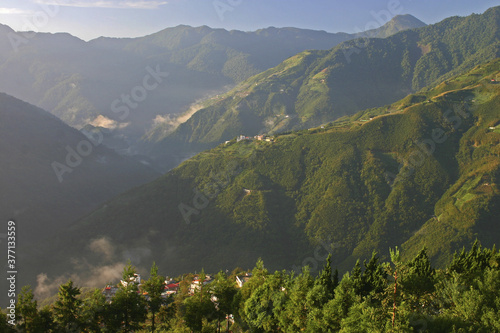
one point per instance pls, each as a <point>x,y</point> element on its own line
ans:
<point>197,150</point>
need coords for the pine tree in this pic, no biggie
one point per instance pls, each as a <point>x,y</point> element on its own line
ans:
<point>67,308</point>
<point>374,277</point>
<point>28,318</point>
<point>356,278</point>
<point>94,309</point>
<point>473,263</point>
<point>46,321</point>
<point>199,306</point>
<point>224,291</point>
<point>419,277</point>
<point>326,278</point>
<point>266,303</point>
<point>322,292</point>
<point>338,308</point>
<point>297,311</point>
<point>259,274</point>
<point>128,307</point>
<point>396,260</point>
<point>154,287</point>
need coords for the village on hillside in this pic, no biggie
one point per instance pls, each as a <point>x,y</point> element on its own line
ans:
<point>171,287</point>
<point>260,137</point>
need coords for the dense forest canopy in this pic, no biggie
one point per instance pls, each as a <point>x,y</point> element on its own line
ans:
<point>375,296</point>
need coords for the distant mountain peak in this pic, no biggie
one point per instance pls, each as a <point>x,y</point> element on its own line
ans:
<point>409,20</point>
<point>5,28</point>
<point>398,23</point>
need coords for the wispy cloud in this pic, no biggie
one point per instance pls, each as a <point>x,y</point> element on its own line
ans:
<point>12,11</point>
<point>141,4</point>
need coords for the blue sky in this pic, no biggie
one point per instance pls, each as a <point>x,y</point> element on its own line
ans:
<point>89,19</point>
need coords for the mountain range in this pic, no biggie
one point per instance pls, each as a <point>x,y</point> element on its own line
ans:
<point>52,174</point>
<point>417,167</point>
<point>315,87</point>
<point>420,172</point>
<point>80,81</point>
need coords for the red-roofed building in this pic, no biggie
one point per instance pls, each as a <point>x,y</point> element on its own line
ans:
<point>172,286</point>
<point>109,292</point>
<point>170,289</point>
<point>196,283</point>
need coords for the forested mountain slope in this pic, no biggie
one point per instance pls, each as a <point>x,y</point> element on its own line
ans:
<point>79,81</point>
<point>52,175</point>
<point>315,87</point>
<point>422,171</point>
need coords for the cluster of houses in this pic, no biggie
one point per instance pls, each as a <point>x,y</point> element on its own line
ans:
<point>261,137</point>
<point>110,290</point>
<point>171,286</point>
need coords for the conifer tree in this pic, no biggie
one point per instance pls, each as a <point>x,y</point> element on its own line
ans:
<point>374,277</point>
<point>67,308</point>
<point>224,291</point>
<point>154,287</point>
<point>296,310</point>
<point>199,306</point>
<point>326,278</point>
<point>94,309</point>
<point>46,320</point>
<point>28,319</point>
<point>419,276</point>
<point>356,278</point>
<point>128,307</point>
